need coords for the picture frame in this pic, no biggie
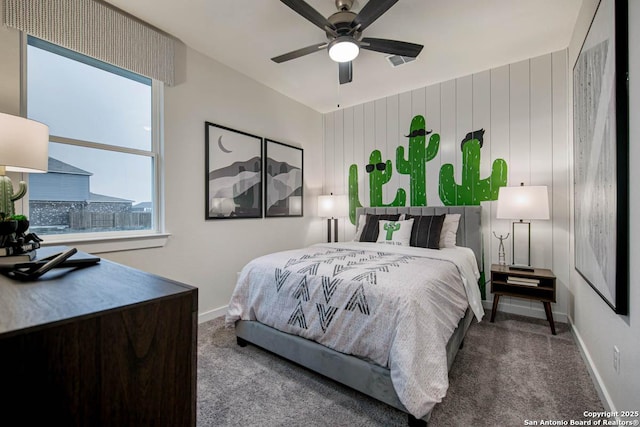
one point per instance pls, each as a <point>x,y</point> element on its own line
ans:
<point>284,179</point>
<point>233,173</point>
<point>601,152</point>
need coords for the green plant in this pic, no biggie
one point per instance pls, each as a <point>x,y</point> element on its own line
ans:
<point>7,197</point>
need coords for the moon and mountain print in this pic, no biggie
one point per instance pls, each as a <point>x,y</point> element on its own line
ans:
<point>234,173</point>
<point>283,179</point>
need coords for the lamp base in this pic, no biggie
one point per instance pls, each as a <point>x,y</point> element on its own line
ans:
<point>333,221</point>
<point>521,267</point>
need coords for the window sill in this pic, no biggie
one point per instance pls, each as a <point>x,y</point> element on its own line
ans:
<point>102,244</point>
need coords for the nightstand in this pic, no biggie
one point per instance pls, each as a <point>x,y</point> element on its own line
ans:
<point>538,285</point>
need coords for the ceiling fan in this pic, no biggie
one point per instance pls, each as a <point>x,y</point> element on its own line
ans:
<point>344,34</point>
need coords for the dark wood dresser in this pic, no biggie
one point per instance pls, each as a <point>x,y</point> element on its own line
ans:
<point>105,345</point>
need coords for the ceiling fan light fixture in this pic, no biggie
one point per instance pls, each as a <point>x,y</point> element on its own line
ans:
<point>343,49</point>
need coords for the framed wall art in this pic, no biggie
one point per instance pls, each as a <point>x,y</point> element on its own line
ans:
<point>601,151</point>
<point>283,176</point>
<point>233,166</point>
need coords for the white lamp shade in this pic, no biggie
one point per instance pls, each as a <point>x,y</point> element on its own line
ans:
<point>523,202</point>
<point>332,206</point>
<point>24,144</point>
<point>343,49</point>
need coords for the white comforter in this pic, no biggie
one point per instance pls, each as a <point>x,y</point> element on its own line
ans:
<point>396,306</point>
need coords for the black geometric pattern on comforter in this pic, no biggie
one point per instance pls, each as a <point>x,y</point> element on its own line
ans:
<point>367,266</point>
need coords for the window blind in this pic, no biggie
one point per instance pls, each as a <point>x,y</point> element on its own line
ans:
<point>96,30</point>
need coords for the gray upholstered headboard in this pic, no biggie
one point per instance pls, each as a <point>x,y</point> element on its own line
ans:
<point>469,230</point>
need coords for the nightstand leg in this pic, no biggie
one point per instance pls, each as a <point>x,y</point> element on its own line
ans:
<point>547,310</point>
<point>495,307</point>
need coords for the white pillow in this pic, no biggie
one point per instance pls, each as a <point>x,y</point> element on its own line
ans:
<point>449,231</point>
<point>395,232</point>
<point>361,222</point>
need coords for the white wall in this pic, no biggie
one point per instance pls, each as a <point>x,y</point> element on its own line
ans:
<point>597,326</point>
<point>208,254</point>
<point>523,109</point>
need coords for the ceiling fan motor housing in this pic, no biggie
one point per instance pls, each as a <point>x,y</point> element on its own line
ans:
<point>342,21</point>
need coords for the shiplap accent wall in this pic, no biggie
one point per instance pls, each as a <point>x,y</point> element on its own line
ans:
<point>523,108</point>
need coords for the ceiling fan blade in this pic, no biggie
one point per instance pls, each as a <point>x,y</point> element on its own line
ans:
<point>370,12</point>
<point>392,47</point>
<point>299,52</point>
<point>310,14</point>
<point>345,71</point>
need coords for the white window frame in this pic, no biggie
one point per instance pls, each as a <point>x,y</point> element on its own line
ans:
<point>111,241</point>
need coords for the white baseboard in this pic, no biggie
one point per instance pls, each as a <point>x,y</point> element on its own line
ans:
<point>212,314</point>
<point>603,394</point>
<point>537,313</point>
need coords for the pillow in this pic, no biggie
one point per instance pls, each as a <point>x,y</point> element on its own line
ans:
<point>362,220</point>
<point>370,230</point>
<point>395,232</point>
<point>449,231</point>
<point>426,230</point>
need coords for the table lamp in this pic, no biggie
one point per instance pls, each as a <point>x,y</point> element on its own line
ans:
<point>24,147</point>
<point>332,207</point>
<point>522,202</point>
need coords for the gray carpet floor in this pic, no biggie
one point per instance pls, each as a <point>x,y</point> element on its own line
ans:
<point>507,372</point>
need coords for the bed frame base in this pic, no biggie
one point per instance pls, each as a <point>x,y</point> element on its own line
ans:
<point>370,379</point>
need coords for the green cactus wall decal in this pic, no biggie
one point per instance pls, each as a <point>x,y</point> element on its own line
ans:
<point>472,190</point>
<point>415,165</point>
<point>354,197</point>
<point>7,196</point>
<point>379,174</point>
<point>390,228</point>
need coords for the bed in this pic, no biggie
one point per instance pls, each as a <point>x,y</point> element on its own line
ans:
<point>308,306</point>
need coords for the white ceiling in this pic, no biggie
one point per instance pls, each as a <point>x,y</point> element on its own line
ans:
<point>460,37</point>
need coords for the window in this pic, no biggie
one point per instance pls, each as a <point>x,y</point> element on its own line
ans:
<point>103,151</point>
